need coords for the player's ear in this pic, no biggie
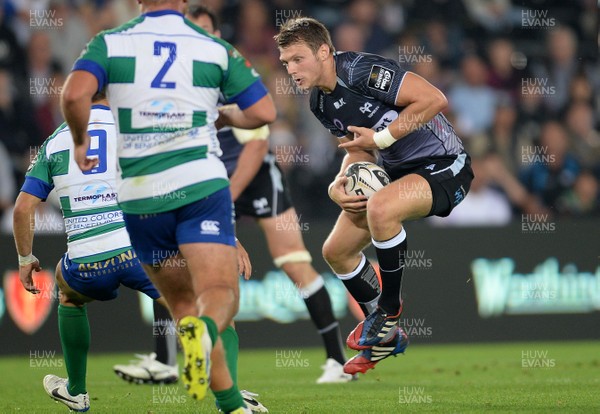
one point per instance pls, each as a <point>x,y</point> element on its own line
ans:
<point>323,51</point>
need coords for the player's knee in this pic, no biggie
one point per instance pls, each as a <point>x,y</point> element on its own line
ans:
<point>181,309</point>
<point>378,212</point>
<point>235,293</point>
<point>68,300</point>
<point>66,296</point>
<point>334,257</point>
<point>226,294</point>
<point>329,251</point>
<point>62,298</point>
<point>234,308</point>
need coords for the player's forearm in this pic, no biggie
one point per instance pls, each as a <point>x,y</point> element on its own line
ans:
<point>76,102</point>
<point>235,117</point>
<point>77,114</point>
<point>355,156</point>
<point>260,113</point>
<point>23,225</point>
<point>421,102</point>
<point>415,115</point>
<point>248,165</point>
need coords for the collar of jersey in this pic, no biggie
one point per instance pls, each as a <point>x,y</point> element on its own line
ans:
<point>162,13</point>
<point>98,106</point>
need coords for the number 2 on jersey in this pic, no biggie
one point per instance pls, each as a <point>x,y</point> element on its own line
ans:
<point>158,82</point>
<point>97,150</point>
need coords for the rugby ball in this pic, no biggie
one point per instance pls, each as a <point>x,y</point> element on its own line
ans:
<point>365,178</point>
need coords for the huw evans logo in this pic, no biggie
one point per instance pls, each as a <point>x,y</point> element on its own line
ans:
<point>412,54</point>
<point>290,359</point>
<point>537,223</point>
<point>282,16</point>
<point>44,19</point>
<point>413,395</point>
<point>536,19</point>
<point>533,358</point>
<point>535,154</point>
<point>537,86</point>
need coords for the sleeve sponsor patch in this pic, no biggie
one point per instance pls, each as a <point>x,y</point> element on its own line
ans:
<point>381,78</point>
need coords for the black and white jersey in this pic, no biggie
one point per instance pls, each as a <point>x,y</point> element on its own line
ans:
<point>365,96</point>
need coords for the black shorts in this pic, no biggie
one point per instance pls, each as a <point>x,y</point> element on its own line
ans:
<point>449,177</point>
<point>266,195</point>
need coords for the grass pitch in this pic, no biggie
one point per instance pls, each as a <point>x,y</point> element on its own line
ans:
<point>512,377</point>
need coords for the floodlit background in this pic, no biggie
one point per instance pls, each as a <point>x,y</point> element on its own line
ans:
<point>522,79</point>
<point>517,260</point>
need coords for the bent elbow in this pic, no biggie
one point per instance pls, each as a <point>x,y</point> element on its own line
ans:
<point>23,208</point>
<point>268,112</point>
<point>440,102</point>
<point>270,115</point>
<point>19,210</point>
<point>70,97</point>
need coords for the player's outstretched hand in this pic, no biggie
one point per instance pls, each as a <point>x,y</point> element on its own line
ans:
<point>349,203</point>
<point>244,265</point>
<point>83,161</point>
<point>26,277</point>
<point>363,139</point>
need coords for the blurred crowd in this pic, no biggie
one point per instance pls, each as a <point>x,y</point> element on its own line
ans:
<point>522,79</point>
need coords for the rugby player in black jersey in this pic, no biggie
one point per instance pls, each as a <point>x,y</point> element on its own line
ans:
<point>381,113</point>
<point>260,191</point>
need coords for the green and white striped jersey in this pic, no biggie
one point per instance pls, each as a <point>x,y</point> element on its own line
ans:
<point>163,76</point>
<point>93,220</point>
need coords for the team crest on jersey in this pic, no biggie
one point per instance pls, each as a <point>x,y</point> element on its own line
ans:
<point>366,108</point>
<point>381,78</point>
